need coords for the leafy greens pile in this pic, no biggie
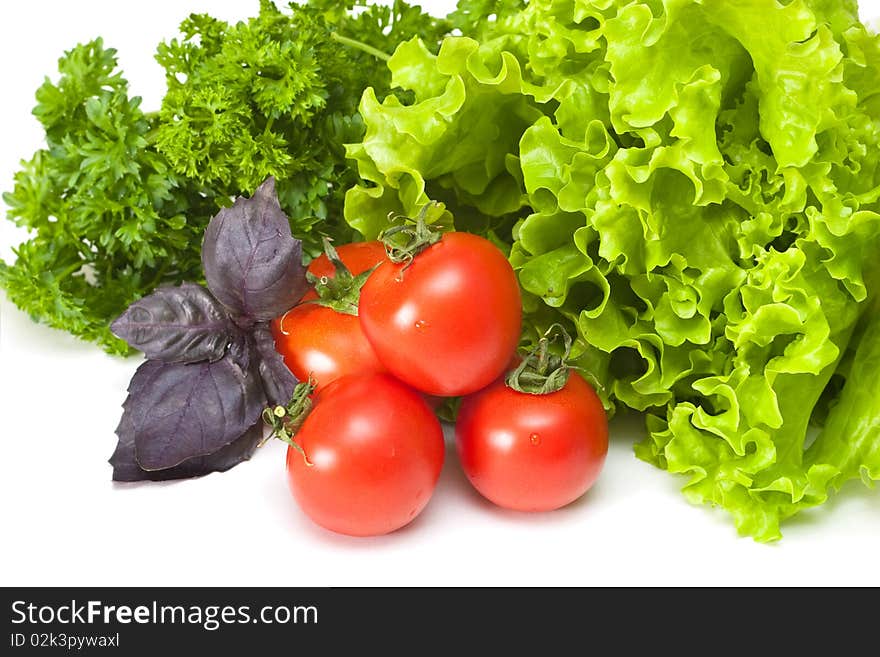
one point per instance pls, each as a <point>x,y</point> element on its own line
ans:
<point>692,185</point>
<point>118,200</point>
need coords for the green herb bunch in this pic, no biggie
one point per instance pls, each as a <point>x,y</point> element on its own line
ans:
<point>118,199</point>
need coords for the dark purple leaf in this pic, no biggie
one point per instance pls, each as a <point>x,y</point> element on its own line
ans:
<point>178,411</point>
<point>126,468</point>
<point>177,324</point>
<point>243,350</point>
<point>255,351</point>
<point>278,380</point>
<point>252,263</point>
<point>142,379</point>
<point>124,461</point>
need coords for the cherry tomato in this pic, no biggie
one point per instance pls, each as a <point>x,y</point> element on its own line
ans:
<point>447,323</point>
<point>532,452</point>
<point>319,342</point>
<point>372,454</point>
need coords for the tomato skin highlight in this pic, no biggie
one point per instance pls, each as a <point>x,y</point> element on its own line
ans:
<point>447,323</point>
<point>376,451</point>
<point>318,342</point>
<point>532,452</point>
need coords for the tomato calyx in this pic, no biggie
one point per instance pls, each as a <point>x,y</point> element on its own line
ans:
<point>285,421</point>
<point>541,372</point>
<point>342,291</point>
<point>407,240</point>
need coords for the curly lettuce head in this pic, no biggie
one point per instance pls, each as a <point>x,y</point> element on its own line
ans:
<point>693,186</point>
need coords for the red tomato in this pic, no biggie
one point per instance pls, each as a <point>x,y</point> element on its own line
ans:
<point>373,452</point>
<point>532,452</point>
<point>448,323</point>
<point>319,342</point>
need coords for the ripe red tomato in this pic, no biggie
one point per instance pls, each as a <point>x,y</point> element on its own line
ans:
<point>447,323</point>
<point>372,454</point>
<point>319,342</point>
<point>532,452</point>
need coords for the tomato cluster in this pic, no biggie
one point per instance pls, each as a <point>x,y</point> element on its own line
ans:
<point>392,339</point>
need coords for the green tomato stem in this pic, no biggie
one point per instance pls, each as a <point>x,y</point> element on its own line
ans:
<point>416,238</point>
<point>541,372</point>
<point>342,291</point>
<point>285,421</point>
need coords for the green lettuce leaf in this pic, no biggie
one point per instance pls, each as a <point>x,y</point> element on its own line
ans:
<point>849,444</point>
<point>692,187</point>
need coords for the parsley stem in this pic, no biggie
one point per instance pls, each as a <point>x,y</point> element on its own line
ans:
<point>152,121</point>
<point>160,275</point>
<point>360,45</point>
<point>67,271</point>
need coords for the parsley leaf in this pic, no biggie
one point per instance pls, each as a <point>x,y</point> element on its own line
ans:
<point>110,219</point>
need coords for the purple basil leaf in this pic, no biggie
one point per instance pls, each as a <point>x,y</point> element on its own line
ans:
<point>278,380</point>
<point>176,324</point>
<point>252,263</point>
<point>255,352</point>
<point>142,379</point>
<point>178,411</point>
<point>126,468</point>
<point>242,350</point>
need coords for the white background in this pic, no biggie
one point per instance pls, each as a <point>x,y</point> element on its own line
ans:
<point>65,523</point>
